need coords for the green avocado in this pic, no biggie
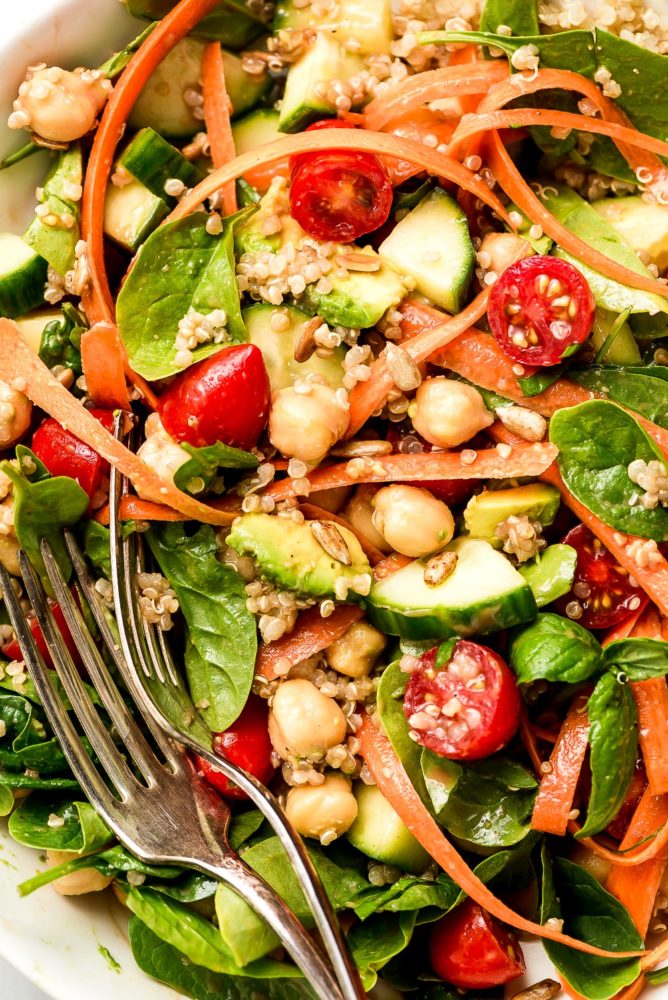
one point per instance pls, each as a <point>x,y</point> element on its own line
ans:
<point>56,243</point>
<point>278,347</point>
<point>642,225</point>
<point>550,575</point>
<point>379,833</point>
<point>484,511</point>
<point>359,298</point>
<point>290,556</point>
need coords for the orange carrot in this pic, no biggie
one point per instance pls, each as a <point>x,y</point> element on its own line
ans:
<point>217,107</point>
<point>102,361</point>
<point>389,565</point>
<point>558,785</point>
<point>133,508</point>
<point>313,513</point>
<point>310,636</point>
<point>524,460</point>
<point>396,787</point>
<point>636,887</point>
<point>417,125</point>
<point>625,629</point>
<point>651,698</point>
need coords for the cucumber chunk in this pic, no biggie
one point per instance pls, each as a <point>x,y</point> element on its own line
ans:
<point>153,161</point>
<point>131,213</point>
<point>483,594</point>
<point>32,325</point>
<point>323,61</point>
<point>228,23</point>
<point>368,23</point>
<point>22,276</point>
<point>278,347</point>
<point>379,833</point>
<point>256,129</point>
<point>433,245</point>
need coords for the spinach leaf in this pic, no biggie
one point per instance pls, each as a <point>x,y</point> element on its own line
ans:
<point>553,648</point>
<point>613,743</point>
<point>82,831</point>
<point>379,939</point>
<point>197,474</point>
<point>550,575</point>
<point>390,697</point>
<point>641,393</point>
<point>158,958</point>
<point>532,385</point>
<point>61,340</point>
<point>220,654</point>
<point>520,15</point>
<point>597,441</point>
<point>243,826</point>
<point>487,803</point>
<point>26,743</point>
<point>178,267</point>
<point>96,542</point>
<point>637,659</point>
<point>593,915</point>
<point>41,510</point>
<point>190,887</point>
<point>56,243</point>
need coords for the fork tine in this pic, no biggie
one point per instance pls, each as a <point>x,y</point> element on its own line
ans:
<point>108,755</point>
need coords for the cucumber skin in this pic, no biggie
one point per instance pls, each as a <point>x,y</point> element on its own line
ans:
<point>152,161</point>
<point>492,616</point>
<point>226,23</point>
<point>14,300</point>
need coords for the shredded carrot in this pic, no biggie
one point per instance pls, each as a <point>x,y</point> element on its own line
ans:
<point>396,787</point>
<point>524,460</point>
<point>389,565</point>
<point>625,628</point>
<point>636,887</point>
<point>217,108</point>
<point>313,513</point>
<point>133,508</point>
<point>651,698</point>
<point>416,126</point>
<point>102,362</point>
<point>310,636</point>
<point>558,785</point>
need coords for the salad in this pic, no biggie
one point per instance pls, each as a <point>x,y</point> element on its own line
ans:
<point>384,292</point>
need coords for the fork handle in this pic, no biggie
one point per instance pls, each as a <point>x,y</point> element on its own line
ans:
<point>232,871</point>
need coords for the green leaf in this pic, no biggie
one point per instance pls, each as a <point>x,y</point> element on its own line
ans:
<point>61,340</point>
<point>117,63</point>
<point>487,803</point>
<point>657,976</point>
<point>444,653</point>
<point>641,393</point>
<point>553,648</point>
<point>26,742</point>
<point>56,243</point>
<point>96,542</point>
<point>550,575</point>
<point>243,826</point>
<point>82,831</point>
<point>390,705</point>
<point>379,939</point>
<point>597,441</point>
<point>178,267</point>
<point>73,864</point>
<point>532,385</point>
<point>520,15</point>
<point>613,742</point>
<point>190,887</point>
<point>220,654</point>
<point>592,915</point>
<point>6,800</point>
<point>637,659</point>
<point>197,474</point>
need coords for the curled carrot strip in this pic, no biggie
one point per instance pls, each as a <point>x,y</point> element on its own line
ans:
<point>217,107</point>
<point>102,363</point>
<point>554,800</point>
<point>636,887</point>
<point>310,636</point>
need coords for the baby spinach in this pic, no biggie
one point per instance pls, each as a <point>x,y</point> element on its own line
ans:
<point>26,743</point>
<point>220,653</point>
<point>592,915</point>
<point>641,393</point>
<point>550,575</point>
<point>96,541</point>
<point>60,343</point>
<point>390,698</point>
<point>553,648</point>
<point>487,803</point>
<point>82,831</point>
<point>379,939</point>
<point>597,441</point>
<point>519,15</point>
<point>533,385</point>
<point>180,266</point>
<point>56,243</point>
<point>613,750</point>
<point>197,474</point>
<point>243,826</point>
<point>637,659</point>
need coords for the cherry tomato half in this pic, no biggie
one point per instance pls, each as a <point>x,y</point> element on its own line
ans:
<point>472,950</point>
<point>539,308</point>
<point>245,743</point>
<point>12,650</point>
<point>601,588</point>
<point>477,697</point>
<point>224,398</point>
<point>65,455</point>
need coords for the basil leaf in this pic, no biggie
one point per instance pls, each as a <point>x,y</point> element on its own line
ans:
<point>613,742</point>
<point>390,705</point>
<point>519,15</point>
<point>550,575</point>
<point>82,831</point>
<point>205,462</point>
<point>220,653</point>
<point>597,441</point>
<point>178,267</point>
<point>641,393</point>
<point>553,648</point>
<point>638,659</point>
<point>377,940</point>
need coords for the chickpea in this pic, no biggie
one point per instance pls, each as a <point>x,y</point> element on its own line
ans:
<point>359,512</point>
<point>324,811</point>
<point>160,451</point>
<point>306,425</point>
<point>9,553</point>
<point>76,883</point>
<point>59,105</point>
<point>15,415</point>
<point>356,652</point>
<point>303,722</point>
<point>447,412</point>
<point>503,250</point>
<point>412,520</point>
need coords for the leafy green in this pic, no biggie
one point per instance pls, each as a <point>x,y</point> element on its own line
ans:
<point>61,340</point>
<point>658,976</point>
<point>379,939</point>
<point>197,474</point>
<point>26,743</point>
<point>520,15</point>
<point>220,654</point>
<point>390,698</point>
<point>96,541</point>
<point>82,831</point>
<point>550,575</point>
<point>243,826</point>
<point>638,659</point>
<point>532,385</point>
<point>487,803</point>
<point>179,267</point>
<point>613,742</point>
<point>641,393</point>
<point>593,915</point>
<point>553,648</point>
<point>191,887</point>
<point>6,800</point>
<point>597,441</point>
<point>117,63</point>
<point>56,243</point>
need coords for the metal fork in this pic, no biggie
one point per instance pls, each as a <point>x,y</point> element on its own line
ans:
<point>164,813</point>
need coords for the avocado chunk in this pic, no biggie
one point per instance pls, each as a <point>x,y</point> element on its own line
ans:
<point>61,195</point>
<point>484,593</point>
<point>642,225</point>
<point>367,24</point>
<point>289,555</point>
<point>484,511</point>
<point>550,575</point>
<point>621,346</point>
<point>278,347</point>
<point>379,833</point>
<point>360,298</point>
<point>32,325</point>
<point>433,245</point>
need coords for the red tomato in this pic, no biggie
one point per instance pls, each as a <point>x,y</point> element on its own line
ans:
<point>245,743</point>
<point>602,588</point>
<point>539,308</point>
<point>477,697</point>
<point>65,455</point>
<point>12,650</point>
<point>224,398</point>
<point>472,950</point>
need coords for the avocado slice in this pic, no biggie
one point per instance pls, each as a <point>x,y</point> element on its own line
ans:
<point>484,511</point>
<point>56,244</point>
<point>360,298</point>
<point>379,833</point>
<point>642,225</point>
<point>550,575</point>
<point>289,555</point>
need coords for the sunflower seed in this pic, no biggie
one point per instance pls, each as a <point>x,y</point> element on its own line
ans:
<point>328,536</point>
<point>439,568</point>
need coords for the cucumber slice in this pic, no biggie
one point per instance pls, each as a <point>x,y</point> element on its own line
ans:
<point>379,833</point>
<point>433,245</point>
<point>365,22</point>
<point>485,593</point>
<point>256,129</point>
<point>22,276</point>
<point>325,60</point>
<point>228,23</point>
<point>153,161</point>
<point>278,347</point>
<point>131,213</point>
